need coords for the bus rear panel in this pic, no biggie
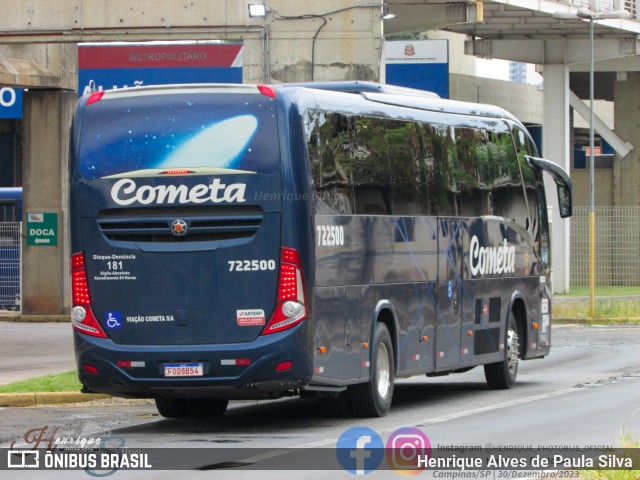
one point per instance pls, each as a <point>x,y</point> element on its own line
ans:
<point>178,266</point>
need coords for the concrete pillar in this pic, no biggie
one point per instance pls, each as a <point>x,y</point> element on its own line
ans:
<point>329,40</point>
<point>555,147</point>
<point>47,117</point>
<point>626,172</point>
<point>626,175</point>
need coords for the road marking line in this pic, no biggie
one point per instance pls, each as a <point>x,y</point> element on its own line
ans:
<point>430,421</point>
<point>265,456</point>
<point>498,406</point>
<point>454,416</point>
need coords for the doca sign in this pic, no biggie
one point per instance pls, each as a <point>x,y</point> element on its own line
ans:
<point>42,229</point>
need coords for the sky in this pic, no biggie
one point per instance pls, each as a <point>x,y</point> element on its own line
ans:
<point>499,69</point>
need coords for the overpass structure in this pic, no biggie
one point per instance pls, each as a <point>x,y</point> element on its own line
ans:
<point>301,41</point>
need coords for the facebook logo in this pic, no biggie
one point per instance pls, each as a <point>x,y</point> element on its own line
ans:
<point>360,450</point>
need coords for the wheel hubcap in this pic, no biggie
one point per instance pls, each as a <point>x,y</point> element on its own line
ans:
<point>383,371</point>
<point>512,350</point>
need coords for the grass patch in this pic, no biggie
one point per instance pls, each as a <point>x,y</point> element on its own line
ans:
<point>627,442</point>
<point>61,382</point>
<point>584,291</point>
<point>605,308</point>
<point>620,303</point>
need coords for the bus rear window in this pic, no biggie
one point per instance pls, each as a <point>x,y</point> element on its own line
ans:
<point>221,133</point>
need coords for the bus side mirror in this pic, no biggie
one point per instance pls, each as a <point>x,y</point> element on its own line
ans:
<point>563,182</point>
<point>564,200</point>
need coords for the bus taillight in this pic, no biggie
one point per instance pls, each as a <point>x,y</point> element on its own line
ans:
<point>82,317</point>
<point>291,303</point>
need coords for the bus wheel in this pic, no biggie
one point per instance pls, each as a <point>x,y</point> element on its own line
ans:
<point>373,399</point>
<point>191,408</point>
<point>502,375</point>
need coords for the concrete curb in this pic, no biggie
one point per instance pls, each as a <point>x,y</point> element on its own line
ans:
<point>46,398</point>
<point>570,321</point>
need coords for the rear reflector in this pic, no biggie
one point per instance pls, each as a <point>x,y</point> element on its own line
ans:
<point>284,366</point>
<point>129,364</point>
<point>236,361</point>
<point>90,369</point>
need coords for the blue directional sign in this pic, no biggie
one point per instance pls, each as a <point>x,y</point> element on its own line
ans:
<point>10,102</point>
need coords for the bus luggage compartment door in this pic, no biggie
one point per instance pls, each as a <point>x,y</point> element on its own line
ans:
<point>450,291</point>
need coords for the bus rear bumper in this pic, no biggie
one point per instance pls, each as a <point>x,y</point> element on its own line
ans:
<point>271,366</point>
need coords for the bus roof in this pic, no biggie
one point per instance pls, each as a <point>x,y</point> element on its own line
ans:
<point>441,105</point>
<point>406,97</point>
<point>360,87</point>
<point>370,91</point>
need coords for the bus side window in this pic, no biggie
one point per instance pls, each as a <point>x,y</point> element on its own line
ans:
<point>407,176</point>
<point>441,197</point>
<point>509,199</point>
<point>472,161</point>
<point>432,187</point>
<point>371,167</point>
<point>329,148</point>
<point>524,147</point>
<point>312,136</point>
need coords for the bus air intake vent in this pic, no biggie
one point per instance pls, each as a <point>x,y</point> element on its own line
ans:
<point>198,229</point>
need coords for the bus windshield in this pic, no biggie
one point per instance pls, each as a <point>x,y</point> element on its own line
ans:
<point>148,134</point>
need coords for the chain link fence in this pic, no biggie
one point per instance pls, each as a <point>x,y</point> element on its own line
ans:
<point>617,262</point>
<point>10,266</point>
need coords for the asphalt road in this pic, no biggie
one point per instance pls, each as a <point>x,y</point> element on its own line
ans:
<point>585,393</point>
<point>34,349</point>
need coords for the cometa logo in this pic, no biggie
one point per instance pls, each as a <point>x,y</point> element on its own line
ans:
<point>491,260</point>
<point>126,192</point>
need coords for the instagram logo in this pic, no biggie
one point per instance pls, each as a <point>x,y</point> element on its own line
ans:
<point>403,448</point>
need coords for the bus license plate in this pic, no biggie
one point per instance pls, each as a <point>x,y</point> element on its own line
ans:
<point>183,370</point>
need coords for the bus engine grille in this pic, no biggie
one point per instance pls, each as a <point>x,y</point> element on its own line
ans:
<point>194,229</point>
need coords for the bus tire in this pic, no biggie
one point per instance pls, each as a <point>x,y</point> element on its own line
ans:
<point>373,399</point>
<point>191,408</point>
<point>502,375</point>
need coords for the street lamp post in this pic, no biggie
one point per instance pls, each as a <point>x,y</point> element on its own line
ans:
<point>592,174</point>
<point>583,14</point>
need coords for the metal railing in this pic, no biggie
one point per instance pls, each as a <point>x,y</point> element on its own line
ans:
<point>10,266</point>
<point>631,6</point>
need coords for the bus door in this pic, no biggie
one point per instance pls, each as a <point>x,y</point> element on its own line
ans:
<point>450,264</point>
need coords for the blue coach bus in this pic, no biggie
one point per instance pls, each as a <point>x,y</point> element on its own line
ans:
<point>324,239</point>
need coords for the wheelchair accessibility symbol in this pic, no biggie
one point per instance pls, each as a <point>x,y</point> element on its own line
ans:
<point>113,320</point>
